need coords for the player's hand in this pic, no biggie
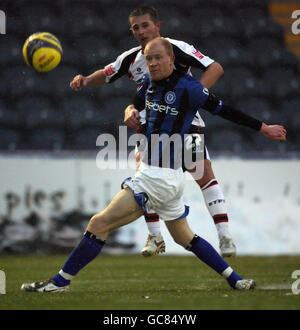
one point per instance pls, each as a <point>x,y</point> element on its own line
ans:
<point>273,132</point>
<point>78,82</point>
<point>132,117</point>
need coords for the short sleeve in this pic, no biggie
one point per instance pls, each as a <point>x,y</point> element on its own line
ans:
<point>198,94</point>
<point>120,66</point>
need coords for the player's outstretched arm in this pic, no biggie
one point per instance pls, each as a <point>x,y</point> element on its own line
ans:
<point>95,79</point>
<point>273,132</point>
<point>216,106</point>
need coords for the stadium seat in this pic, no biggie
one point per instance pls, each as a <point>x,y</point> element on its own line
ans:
<point>290,109</point>
<point>231,6</point>
<point>16,25</point>
<point>9,118</point>
<point>59,79</point>
<point>263,44</point>
<point>37,112</point>
<point>222,88</point>
<point>80,112</point>
<point>30,104</point>
<point>4,91</point>
<point>26,82</point>
<point>94,50</point>
<point>267,58</point>
<point>254,104</point>
<point>242,82</point>
<point>120,15</point>
<point>123,44</point>
<point>248,14</point>
<point>44,118</point>
<point>226,27</point>
<point>279,72</point>
<point>48,22</point>
<point>234,57</point>
<point>290,106</point>
<point>90,20</point>
<point>226,140</point>
<point>114,110</point>
<point>85,139</point>
<point>266,27</point>
<point>262,144</point>
<point>215,44</point>
<point>47,139</point>
<point>258,4</point>
<point>71,57</point>
<point>121,87</point>
<point>204,13</point>
<point>262,109</point>
<point>282,87</point>
<point>88,117</point>
<point>11,50</point>
<point>9,139</point>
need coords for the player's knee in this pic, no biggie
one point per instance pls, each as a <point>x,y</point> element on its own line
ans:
<point>179,241</point>
<point>98,224</point>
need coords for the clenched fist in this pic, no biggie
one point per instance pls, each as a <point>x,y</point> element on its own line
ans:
<point>78,82</point>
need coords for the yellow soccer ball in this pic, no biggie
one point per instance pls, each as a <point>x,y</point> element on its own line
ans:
<point>42,51</point>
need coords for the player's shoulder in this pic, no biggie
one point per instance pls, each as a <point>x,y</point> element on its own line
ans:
<point>144,83</point>
<point>180,45</point>
<point>130,52</point>
<point>187,79</point>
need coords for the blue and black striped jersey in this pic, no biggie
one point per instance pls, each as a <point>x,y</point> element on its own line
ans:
<point>170,106</point>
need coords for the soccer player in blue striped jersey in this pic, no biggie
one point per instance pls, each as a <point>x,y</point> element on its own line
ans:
<point>145,26</point>
<point>159,187</point>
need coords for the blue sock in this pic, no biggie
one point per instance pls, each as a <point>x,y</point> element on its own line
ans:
<point>86,250</point>
<point>206,253</point>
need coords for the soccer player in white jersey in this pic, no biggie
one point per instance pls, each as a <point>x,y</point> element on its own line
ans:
<point>145,26</point>
<point>159,187</point>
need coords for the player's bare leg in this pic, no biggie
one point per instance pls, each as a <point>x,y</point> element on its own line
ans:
<point>122,210</point>
<point>183,235</point>
<point>215,203</point>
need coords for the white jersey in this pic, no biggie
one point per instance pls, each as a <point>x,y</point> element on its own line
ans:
<point>133,63</point>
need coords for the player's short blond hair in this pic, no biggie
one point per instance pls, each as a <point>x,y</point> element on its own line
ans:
<point>164,42</point>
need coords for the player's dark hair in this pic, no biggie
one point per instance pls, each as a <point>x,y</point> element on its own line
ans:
<point>144,10</point>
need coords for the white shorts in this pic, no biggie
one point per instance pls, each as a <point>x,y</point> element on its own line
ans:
<point>159,189</point>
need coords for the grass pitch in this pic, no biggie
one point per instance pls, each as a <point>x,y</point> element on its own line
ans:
<point>159,283</point>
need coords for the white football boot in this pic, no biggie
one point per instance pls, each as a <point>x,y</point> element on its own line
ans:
<point>245,284</point>
<point>155,244</point>
<point>227,247</point>
<point>43,286</point>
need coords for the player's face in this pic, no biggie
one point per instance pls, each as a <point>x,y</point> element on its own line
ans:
<point>144,29</point>
<point>160,64</point>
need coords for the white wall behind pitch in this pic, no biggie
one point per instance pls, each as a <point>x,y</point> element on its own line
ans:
<point>263,198</point>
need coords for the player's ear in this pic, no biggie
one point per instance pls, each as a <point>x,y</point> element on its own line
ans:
<point>158,25</point>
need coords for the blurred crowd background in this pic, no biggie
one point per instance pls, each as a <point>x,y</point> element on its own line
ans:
<point>251,39</point>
